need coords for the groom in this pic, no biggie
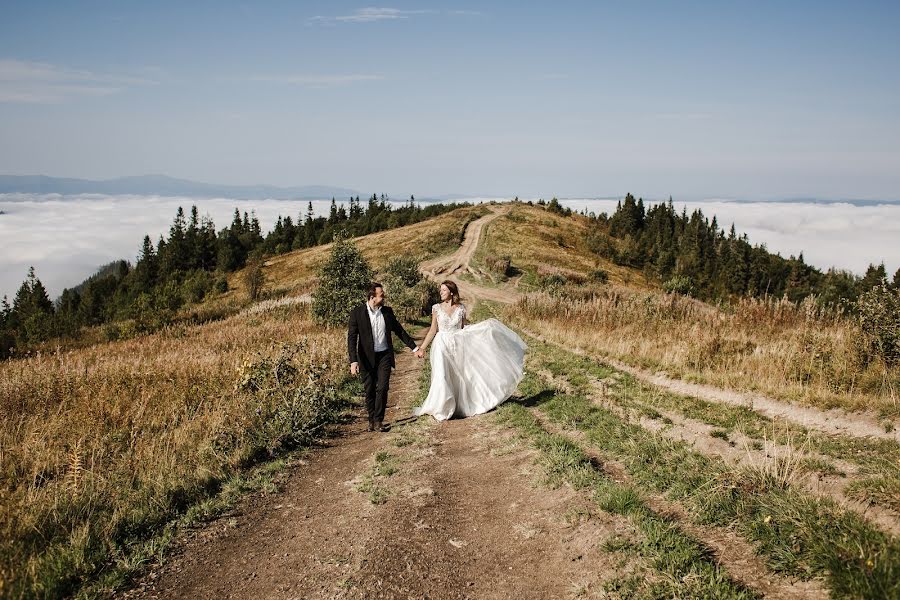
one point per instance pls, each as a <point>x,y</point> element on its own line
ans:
<point>372,353</point>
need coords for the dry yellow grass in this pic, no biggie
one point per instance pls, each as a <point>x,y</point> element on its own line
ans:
<point>789,352</point>
<point>103,444</point>
<point>539,241</point>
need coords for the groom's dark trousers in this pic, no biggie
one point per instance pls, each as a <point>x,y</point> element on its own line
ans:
<point>375,367</point>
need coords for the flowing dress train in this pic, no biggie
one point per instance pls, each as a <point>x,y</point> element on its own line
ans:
<point>473,368</point>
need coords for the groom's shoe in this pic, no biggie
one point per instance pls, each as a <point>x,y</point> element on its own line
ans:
<point>380,426</point>
<point>371,425</point>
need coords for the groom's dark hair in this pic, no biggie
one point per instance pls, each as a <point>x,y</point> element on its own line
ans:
<point>371,293</point>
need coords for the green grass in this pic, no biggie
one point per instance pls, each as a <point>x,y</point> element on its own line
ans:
<point>384,466</point>
<point>876,458</point>
<point>685,566</point>
<point>797,534</point>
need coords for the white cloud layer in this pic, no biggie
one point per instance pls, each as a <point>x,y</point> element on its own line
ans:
<point>67,237</point>
<point>42,83</point>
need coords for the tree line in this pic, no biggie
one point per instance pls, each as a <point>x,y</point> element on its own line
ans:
<point>693,254</point>
<point>184,267</point>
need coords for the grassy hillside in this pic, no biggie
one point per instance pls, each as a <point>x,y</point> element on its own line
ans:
<point>294,273</point>
<point>540,243</point>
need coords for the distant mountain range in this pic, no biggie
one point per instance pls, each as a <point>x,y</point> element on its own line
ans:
<point>163,185</point>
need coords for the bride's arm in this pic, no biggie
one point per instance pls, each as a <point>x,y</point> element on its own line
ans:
<point>431,332</point>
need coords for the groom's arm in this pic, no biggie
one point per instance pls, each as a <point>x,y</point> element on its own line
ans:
<point>401,333</point>
<point>352,338</point>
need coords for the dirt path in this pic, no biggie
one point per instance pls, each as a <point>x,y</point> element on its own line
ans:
<point>428,510</point>
<point>452,267</point>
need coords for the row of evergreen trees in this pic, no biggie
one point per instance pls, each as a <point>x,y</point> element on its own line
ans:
<point>184,267</point>
<point>692,254</point>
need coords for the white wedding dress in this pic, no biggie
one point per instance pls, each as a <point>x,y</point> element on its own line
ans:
<point>473,368</point>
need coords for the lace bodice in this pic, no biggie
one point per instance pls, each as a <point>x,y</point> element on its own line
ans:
<point>451,322</point>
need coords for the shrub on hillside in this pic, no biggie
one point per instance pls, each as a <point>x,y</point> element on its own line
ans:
<point>405,269</point>
<point>195,286</point>
<point>878,312</point>
<point>599,276</point>
<point>343,281</point>
<point>679,284</point>
<point>292,399</point>
<point>253,278</point>
<point>500,265</point>
<point>409,294</point>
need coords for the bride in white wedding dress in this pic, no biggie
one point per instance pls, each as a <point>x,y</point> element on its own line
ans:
<point>474,367</point>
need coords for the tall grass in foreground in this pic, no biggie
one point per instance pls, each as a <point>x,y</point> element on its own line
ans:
<point>798,353</point>
<point>100,447</point>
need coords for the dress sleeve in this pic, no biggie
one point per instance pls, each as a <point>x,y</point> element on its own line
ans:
<point>433,308</point>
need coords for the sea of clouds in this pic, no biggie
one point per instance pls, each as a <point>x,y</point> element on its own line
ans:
<point>66,238</point>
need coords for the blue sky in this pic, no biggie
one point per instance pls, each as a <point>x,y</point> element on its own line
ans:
<point>697,100</point>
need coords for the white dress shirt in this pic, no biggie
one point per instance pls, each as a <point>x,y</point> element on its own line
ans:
<point>379,331</point>
<point>379,334</point>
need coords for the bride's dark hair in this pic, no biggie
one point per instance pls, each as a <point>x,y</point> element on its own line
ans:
<point>454,291</point>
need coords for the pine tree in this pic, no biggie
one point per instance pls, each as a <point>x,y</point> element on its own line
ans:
<point>175,258</point>
<point>343,281</point>
<point>146,271</point>
<point>33,310</point>
<point>333,214</point>
<point>309,231</point>
<point>191,243</point>
<point>874,276</point>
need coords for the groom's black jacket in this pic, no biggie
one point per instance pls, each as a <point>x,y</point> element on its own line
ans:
<point>361,346</point>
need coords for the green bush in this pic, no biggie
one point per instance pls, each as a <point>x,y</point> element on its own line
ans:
<point>195,286</point>
<point>291,397</point>
<point>343,282</point>
<point>221,285</point>
<point>679,284</point>
<point>599,276</point>
<point>408,293</point>
<point>552,283</point>
<point>878,311</point>
<point>405,269</point>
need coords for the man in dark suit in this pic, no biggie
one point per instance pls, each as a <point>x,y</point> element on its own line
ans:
<point>372,352</point>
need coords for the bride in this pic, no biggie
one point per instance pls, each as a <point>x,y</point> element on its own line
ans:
<point>473,367</point>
